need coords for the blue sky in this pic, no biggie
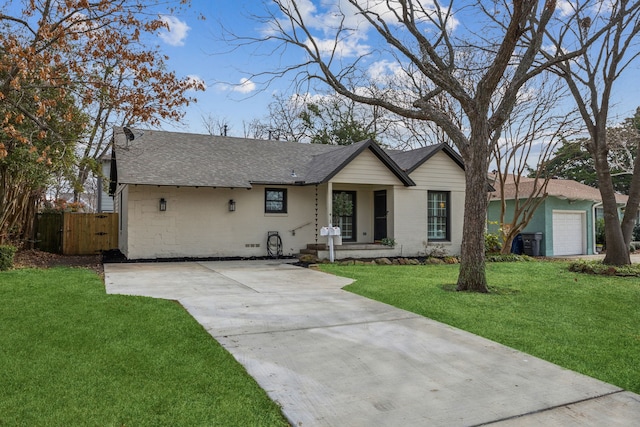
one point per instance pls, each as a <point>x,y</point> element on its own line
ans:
<point>195,48</point>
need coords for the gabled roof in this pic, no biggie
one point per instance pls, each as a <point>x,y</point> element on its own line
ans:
<point>183,159</point>
<point>325,166</point>
<point>560,188</point>
<point>412,159</point>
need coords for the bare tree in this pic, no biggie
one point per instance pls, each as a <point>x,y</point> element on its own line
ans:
<point>256,129</point>
<point>528,140</point>
<point>216,125</point>
<point>431,55</point>
<point>591,78</point>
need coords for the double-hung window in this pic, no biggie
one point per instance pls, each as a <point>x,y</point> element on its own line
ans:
<point>438,215</point>
<point>275,200</point>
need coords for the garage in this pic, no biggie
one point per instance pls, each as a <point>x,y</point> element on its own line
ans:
<point>569,233</point>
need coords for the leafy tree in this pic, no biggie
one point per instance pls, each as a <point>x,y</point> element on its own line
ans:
<point>328,124</point>
<point>572,161</point>
<point>26,169</point>
<point>322,119</point>
<point>93,52</point>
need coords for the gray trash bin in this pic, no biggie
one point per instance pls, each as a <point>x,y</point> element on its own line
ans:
<point>531,243</point>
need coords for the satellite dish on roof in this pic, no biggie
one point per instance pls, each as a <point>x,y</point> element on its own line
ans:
<point>128,133</point>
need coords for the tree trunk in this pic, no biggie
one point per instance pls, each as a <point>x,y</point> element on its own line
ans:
<point>617,250</point>
<point>78,186</point>
<point>472,275</point>
<point>631,210</point>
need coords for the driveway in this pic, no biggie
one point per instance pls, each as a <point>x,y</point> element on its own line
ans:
<point>332,358</point>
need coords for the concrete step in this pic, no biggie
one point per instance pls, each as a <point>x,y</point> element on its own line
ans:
<point>317,246</point>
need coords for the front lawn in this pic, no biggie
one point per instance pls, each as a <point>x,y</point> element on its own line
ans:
<point>586,323</point>
<point>72,355</point>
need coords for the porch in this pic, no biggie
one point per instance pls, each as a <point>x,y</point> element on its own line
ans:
<point>353,250</point>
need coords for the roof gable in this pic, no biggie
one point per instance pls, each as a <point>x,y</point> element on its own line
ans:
<point>327,165</point>
<point>410,160</point>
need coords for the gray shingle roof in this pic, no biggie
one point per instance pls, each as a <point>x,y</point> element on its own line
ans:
<point>412,159</point>
<point>185,159</point>
<point>560,188</point>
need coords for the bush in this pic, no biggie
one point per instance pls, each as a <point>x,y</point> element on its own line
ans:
<point>636,233</point>
<point>597,267</point>
<point>7,253</point>
<point>492,243</point>
<point>508,258</point>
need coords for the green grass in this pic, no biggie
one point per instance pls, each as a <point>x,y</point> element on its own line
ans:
<point>586,323</point>
<point>72,355</point>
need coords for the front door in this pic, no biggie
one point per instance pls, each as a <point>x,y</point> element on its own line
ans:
<point>379,215</point>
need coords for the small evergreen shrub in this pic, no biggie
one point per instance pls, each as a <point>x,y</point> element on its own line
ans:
<point>492,243</point>
<point>508,258</point>
<point>388,241</point>
<point>597,267</point>
<point>7,252</point>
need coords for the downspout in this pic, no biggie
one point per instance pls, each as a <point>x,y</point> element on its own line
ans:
<point>330,203</point>
<point>329,217</point>
<point>593,226</point>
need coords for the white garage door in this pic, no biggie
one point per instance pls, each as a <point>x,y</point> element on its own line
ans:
<point>568,233</point>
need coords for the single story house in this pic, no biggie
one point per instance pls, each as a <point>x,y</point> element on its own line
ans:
<point>188,195</point>
<point>566,218</point>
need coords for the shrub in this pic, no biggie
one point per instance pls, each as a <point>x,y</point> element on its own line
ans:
<point>508,258</point>
<point>636,232</point>
<point>388,241</point>
<point>597,267</point>
<point>7,253</point>
<point>492,243</point>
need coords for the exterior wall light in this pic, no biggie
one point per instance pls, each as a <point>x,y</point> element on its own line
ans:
<point>163,205</point>
<point>232,205</point>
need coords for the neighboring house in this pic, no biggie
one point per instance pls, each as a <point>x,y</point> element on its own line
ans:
<point>105,200</point>
<point>565,218</point>
<point>187,195</point>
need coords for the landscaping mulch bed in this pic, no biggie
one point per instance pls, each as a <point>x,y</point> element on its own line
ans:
<point>32,258</point>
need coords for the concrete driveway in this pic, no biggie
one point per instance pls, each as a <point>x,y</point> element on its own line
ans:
<point>332,358</point>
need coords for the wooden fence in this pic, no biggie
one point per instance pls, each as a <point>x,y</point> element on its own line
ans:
<point>72,233</point>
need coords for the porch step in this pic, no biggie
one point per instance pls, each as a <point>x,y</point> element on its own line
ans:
<point>317,246</point>
<point>308,251</point>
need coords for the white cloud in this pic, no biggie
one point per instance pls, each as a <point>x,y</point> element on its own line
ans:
<point>245,86</point>
<point>382,70</point>
<point>176,34</point>
<point>566,8</point>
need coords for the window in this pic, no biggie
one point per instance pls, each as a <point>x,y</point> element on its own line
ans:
<point>344,214</point>
<point>438,216</point>
<point>275,200</point>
